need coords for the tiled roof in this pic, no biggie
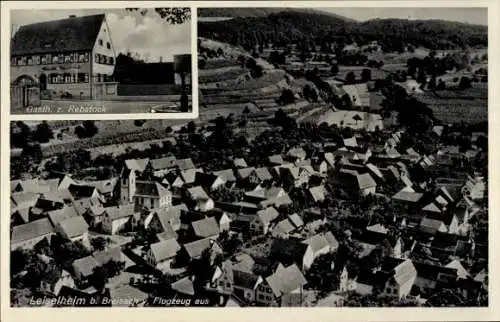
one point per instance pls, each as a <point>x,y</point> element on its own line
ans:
<point>286,280</point>
<point>31,230</point>
<point>184,286</point>
<point>150,189</point>
<point>86,265</point>
<point>407,196</point>
<point>74,226</point>
<point>73,34</point>
<point>268,215</point>
<point>59,215</point>
<point>138,165</point>
<point>165,249</point>
<point>206,227</point>
<point>227,175</point>
<point>184,164</point>
<point>197,194</point>
<point>117,212</point>
<point>163,163</point>
<point>240,163</point>
<point>111,254</point>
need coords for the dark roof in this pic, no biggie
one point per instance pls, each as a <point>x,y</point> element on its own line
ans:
<point>245,279</point>
<point>431,272</point>
<point>72,34</point>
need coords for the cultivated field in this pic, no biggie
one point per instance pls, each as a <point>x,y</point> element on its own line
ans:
<point>345,118</point>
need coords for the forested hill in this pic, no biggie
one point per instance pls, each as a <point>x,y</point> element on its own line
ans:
<point>316,27</point>
<point>258,12</point>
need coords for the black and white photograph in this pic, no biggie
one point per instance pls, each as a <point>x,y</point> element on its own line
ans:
<point>340,159</point>
<point>98,61</point>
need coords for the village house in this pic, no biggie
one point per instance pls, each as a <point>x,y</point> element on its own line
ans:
<point>402,277</point>
<point>105,188</point>
<point>274,196</point>
<point>227,175</point>
<point>355,183</point>
<point>161,255</point>
<point>184,164</point>
<point>53,287</point>
<point>260,223</point>
<point>28,235</point>
<point>74,229</point>
<point>205,228</point>
<point>183,178</point>
<point>195,249</point>
<point>200,198</point>
<point>151,195</point>
<point>222,280</point>
<point>296,154</point>
<point>56,216</point>
<point>209,182</point>
<point>163,219</point>
<point>317,194</point>
<point>83,269</point>
<point>78,191</point>
<point>282,288</point>
<point>240,163</point>
<point>429,276</point>
<point>160,167</point>
<point>116,218</point>
<point>292,176</point>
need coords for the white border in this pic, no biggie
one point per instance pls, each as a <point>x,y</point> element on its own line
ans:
<point>261,314</point>
<point>29,5</point>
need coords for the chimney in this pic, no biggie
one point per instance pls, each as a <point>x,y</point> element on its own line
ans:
<point>72,16</point>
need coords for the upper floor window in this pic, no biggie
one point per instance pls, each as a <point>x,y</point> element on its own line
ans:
<point>108,45</point>
<point>100,42</point>
<point>55,60</point>
<point>30,60</point>
<point>81,58</point>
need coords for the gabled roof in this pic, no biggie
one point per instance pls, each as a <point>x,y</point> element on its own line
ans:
<point>262,193</point>
<point>286,280</point>
<point>103,186</point>
<point>24,199</point>
<point>185,164</point>
<point>276,159</point>
<point>184,286</point>
<point>284,227</point>
<point>59,215</point>
<point>80,191</point>
<point>296,220</point>
<point>59,195</point>
<point>65,35</point>
<point>189,175</point>
<point>378,228</point>
<point>245,279</point>
<point>93,204</point>
<point>86,265</point>
<point>227,175</point>
<point>166,249</point>
<point>461,271</point>
<point>431,272</point>
<point>163,163</point>
<point>318,193</point>
<point>268,215</point>
<point>240,163</point>
<point>207,227</point>
<point>121,211</point>
<point>205,179</point>
<point>31,230</point>
<point>408,196</point>
<point>263,174</point>
<point>297,152</point>
<point>245,172</point>
<point>169,216</point>
<point>196,248</point>
<point>104,257</point>
<point>317,242</point>
<point>198,194</point>
<point>334,244</point>
<point>74,226</point>
<point>350,142</point>
<point>151,189</point>
<point>375,170</point>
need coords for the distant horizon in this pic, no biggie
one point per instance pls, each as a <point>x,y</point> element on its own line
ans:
<point>476,16</point>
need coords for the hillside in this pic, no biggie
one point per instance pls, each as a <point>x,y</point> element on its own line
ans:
<point>322,28</point>
<point>258,12</point>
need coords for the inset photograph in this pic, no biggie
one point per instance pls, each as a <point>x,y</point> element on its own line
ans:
<point>99,61</point>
